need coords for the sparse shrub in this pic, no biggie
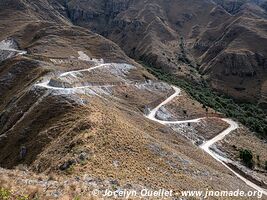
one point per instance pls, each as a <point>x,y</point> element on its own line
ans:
<point>258,161</point>
<point>77,198</point>
<point>24,197</point>
<point>247,158</point>
<point>114,187</point>
<point>4,194</point>
<point>70,170</point>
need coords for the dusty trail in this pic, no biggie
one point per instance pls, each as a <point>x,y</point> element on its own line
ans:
<point>207,145</point>
<point>152,116</point>
<point>13,50</point>
<point>73,74</point>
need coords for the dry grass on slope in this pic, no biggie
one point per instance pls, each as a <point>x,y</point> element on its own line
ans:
<point>25,185</point>
<point>123,146</point>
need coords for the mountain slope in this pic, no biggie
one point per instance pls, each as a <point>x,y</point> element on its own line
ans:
<point>225,41</point>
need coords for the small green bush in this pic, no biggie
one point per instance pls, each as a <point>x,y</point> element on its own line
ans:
<point>5,194</point>
<point>247,158</point>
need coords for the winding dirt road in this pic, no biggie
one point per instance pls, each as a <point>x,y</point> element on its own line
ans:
<point>7,45</point>
<point>208,144</point>
<point>152,116</point>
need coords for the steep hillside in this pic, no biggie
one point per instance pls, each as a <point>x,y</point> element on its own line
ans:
<point>46,40</point>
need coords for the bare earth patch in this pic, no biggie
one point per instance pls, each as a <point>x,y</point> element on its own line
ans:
<point>184,108</point>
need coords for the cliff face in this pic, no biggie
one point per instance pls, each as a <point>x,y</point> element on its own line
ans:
<point>114,7</point>
<point>92,12</point>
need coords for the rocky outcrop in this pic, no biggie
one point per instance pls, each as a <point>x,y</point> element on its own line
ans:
<point>76,14</point>
<point>59,83</point>
<point>239,63</point>
<point>108,10</point>
<point>114,7</point>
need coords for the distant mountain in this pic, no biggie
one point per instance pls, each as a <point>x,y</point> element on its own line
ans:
<point>224,40</point>
<point>234,6</point>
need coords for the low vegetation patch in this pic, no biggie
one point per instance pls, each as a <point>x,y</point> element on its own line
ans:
<point>6,194</point>
<point>248,114</point>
